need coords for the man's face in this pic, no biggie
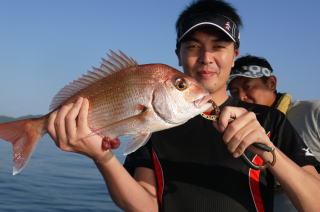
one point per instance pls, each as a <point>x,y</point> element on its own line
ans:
<point>253,90</point>
<point>208,57</point>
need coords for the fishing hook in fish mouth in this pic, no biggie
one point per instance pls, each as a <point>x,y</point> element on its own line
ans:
<point>214,116</point>
<point>216,112</point>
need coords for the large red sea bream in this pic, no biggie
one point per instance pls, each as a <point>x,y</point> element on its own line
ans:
<point>125,99</point>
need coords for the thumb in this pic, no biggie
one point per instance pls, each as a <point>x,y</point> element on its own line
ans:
<point>227,115</point>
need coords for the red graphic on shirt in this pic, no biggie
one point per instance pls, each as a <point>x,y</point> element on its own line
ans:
<point>254,181</point>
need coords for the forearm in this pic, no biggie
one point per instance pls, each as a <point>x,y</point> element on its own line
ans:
<point>302,187</point>
<point>68,126</point>
<point>125,191</point>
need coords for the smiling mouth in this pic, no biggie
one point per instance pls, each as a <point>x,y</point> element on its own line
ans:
<point>206,74</point>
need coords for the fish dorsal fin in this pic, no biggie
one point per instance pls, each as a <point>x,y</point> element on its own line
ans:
<point>116,62</point>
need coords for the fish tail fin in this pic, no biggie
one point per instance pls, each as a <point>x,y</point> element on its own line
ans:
<point>24,136</point>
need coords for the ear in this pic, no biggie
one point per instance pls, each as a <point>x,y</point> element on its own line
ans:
<point>272,83</point>
<point>178,55</point>
<point>236,53</point>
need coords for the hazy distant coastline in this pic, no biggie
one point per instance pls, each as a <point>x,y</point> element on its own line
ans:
<point>8,118</point>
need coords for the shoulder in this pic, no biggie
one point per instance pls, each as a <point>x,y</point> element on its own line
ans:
<point>304,110</point>
<point>304,115</point>
<point>262,111</point>
<point>249,106</point>
<point>306,105</point>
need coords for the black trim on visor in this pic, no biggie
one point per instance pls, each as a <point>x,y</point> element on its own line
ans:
<point>221,22</point>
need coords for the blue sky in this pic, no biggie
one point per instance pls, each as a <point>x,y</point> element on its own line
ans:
<point>46,44</point>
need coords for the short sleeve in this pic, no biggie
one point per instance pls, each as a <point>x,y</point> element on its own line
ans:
<point>305,116</point>
<point>140,158</point>
<point>290,143</point>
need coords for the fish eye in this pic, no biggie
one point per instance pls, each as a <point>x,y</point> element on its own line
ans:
<point>181,84</point>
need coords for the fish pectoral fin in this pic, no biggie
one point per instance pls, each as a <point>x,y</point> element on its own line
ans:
<point>126,126</point>
<point>141,108</point>
<point>135,128</point>
<point>137,140</point>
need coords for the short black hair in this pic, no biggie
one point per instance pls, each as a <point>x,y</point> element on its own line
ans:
<point>251,60</point>
<point>205,7</point>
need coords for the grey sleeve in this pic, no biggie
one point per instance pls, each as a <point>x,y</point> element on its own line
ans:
<point>305,118</point>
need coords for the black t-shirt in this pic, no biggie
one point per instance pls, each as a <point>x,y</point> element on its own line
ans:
<point>195,171</point>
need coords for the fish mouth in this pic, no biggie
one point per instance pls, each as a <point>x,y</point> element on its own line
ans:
<point>203,102</point>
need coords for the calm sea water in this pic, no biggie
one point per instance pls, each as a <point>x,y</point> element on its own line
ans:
<point>53,180</point>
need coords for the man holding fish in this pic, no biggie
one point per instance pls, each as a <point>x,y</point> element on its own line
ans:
<point>195,166</point>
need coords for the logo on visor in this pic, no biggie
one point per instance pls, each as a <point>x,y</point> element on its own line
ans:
<point>255,71</point>
<point>227,25</point>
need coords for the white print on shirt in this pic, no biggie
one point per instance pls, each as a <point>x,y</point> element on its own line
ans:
<point>307,152</point>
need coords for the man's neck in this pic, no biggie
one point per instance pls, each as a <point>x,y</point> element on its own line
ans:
<point>219,97</point>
